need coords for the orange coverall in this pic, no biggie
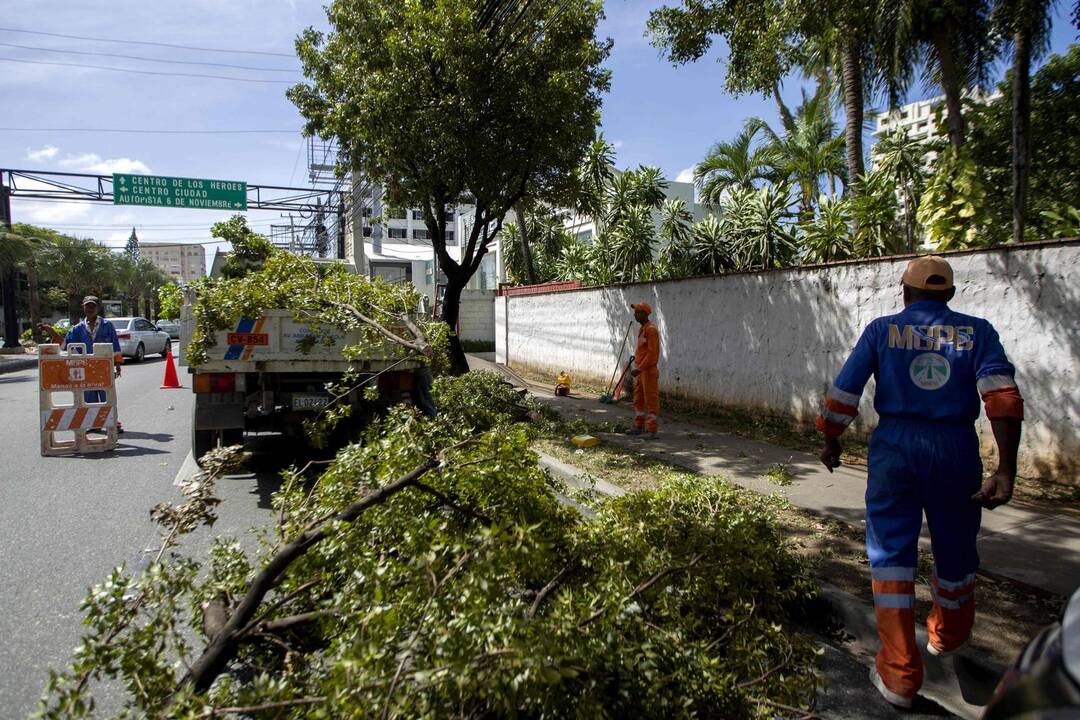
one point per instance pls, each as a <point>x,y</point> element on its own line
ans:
<point>647,382</point>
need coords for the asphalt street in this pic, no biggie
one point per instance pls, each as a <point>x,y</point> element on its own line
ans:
<point>66,522</point>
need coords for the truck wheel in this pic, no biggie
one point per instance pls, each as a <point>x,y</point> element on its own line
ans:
<point>202,442</point>
<point>232,436</point>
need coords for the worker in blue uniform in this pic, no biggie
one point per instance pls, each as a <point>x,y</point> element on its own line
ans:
<point>931,364</point>
<point>91,330</point>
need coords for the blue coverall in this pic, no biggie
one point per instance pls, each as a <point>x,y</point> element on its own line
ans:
<point>105,333</point>
<point>930,365</point>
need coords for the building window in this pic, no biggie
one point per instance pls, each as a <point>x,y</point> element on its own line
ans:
<point>420,234</point>
<point>449,216</point>
<point>417,214</point>
<point>449,237</point>
<point>395,214</point>
<point>397,233</point>
<point>367,231</point>
<point>366,211</point>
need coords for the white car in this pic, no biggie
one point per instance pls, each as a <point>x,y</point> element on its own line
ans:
<point>139,338</point>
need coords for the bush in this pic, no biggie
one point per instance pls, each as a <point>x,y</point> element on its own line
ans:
<point>471,591</point>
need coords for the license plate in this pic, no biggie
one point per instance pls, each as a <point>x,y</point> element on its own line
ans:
<point>310,402</point>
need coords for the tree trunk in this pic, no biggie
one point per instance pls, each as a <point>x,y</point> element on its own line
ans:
<point>35,298</point>
<point>1021,116</point>
<point>853,114</point>
<point>459,364</point>
<point>74,308</point>
<point>526,249</point>
<point>11,313</point>
<point>950,83</point>
<point>786,118</point>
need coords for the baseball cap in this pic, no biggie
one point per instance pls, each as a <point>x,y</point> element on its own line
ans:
<point>91,299</point>
<point>928,273</point>
<point>643,307</point>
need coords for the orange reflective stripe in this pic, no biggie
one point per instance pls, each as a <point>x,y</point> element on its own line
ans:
<point>897,587</point>
<point>842,408</point>
<point>54,420</point>
<point>102,417</point>
<point>1004,403</point>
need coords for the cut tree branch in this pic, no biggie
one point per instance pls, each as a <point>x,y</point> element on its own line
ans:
<point>643,587</point>
<point>223,648</point>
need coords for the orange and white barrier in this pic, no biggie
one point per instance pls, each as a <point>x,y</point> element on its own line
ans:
<point>77,373</point>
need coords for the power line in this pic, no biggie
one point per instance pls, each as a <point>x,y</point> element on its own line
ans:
<point>148,59</point>
<point>146,130</point>
<point>146,42</point>
<point>147,72</point>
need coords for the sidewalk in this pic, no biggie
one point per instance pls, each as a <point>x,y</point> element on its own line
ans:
<point>14,363</point>
<point>1034,543</point>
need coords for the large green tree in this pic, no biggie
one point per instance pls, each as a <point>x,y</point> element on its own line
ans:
<point>488,101</point>
<point>1054,176</point>
<point>1027,25</point>
<point>729,164</point>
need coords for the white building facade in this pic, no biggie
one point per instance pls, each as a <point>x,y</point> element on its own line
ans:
<point>184,262</point>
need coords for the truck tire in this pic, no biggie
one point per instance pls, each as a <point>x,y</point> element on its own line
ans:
<point>202,442</point>
<point>232,436</point>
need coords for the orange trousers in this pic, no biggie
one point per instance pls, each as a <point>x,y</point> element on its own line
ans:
<point>647,399</point>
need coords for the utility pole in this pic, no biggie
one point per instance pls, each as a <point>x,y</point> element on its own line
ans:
<point>11,277</point>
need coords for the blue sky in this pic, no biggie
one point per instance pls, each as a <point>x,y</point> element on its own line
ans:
<point>655,114</point>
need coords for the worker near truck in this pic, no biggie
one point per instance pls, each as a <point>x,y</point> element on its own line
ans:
<point>931,365</point>
<point>646,374</point>
<point>90,330</point>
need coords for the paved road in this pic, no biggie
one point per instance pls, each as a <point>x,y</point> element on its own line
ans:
<point>65,522</point>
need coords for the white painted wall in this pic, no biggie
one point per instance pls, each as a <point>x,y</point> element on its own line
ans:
<point>477,318</point>
<point>772,341</point>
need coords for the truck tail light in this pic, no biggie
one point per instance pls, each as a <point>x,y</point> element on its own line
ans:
<point>215,383</point>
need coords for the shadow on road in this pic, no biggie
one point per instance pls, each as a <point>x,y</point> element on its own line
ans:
<point>156,437</point>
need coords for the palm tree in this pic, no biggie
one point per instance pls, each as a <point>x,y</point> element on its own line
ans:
<point>828,236</point>
<point>732,164</point>
<point>712,249</point>
<point>759,225</point>
<point>632,241</point>
<point>809,152</point>
<point>675,221</point>
<point>1027,24</point>
<point>900,158</point>
<point>875,211</point>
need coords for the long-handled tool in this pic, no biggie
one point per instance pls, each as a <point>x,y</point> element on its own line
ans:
<point>606,396</point>
<point>618,388</point>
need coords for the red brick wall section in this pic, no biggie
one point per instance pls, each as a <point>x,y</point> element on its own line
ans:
<point>539,289</point>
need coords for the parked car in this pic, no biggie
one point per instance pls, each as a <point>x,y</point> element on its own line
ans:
<point>170,326</point>
<point>1044,682</point>
<point>138,338</point>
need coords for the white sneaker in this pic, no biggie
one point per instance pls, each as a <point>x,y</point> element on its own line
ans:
<point>890,697</point>
<point>936,652</point>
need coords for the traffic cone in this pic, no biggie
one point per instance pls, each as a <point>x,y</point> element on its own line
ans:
<point>171,380</point>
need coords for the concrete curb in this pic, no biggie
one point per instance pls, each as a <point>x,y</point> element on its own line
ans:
<point>16,364</point>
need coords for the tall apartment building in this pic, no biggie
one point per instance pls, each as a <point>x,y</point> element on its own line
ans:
<point>183,261</point>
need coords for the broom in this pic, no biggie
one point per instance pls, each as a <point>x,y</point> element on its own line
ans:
<point>606,397</point>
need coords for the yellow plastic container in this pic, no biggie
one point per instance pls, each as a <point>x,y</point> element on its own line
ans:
<point>585,441</point>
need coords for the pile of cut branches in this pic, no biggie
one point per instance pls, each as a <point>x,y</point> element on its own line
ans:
<point>432,572</point>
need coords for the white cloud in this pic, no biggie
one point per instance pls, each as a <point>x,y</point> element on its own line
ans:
<point>617,144</point>
<point>37,212</point>
<point>686,175</point>
<point>46,153</point>
<point>92,162</point>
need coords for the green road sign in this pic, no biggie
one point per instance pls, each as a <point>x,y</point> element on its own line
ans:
<point>176,192</point>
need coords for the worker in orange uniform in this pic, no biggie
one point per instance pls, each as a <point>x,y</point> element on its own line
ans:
<point>931,365</point>
<point>645,373</point>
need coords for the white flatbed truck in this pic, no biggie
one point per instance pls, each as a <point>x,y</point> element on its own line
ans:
<point>259,377</point>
